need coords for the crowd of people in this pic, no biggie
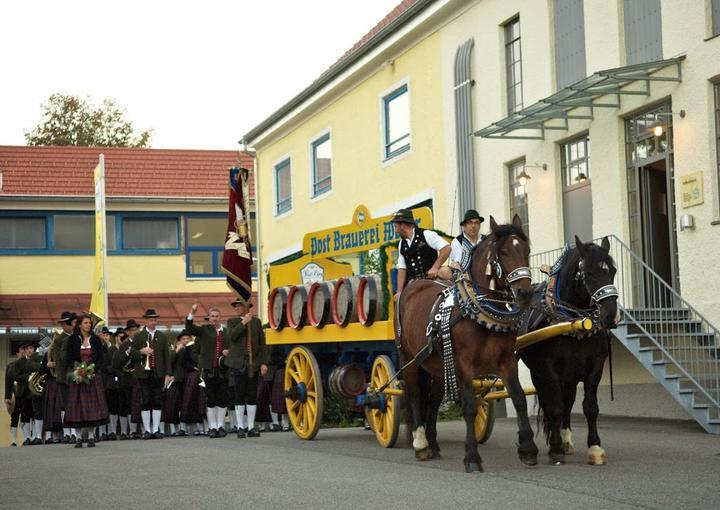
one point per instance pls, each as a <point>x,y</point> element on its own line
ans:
<point>139,383</point>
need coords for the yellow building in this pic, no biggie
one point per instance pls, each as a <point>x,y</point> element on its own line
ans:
<point>590,117</point>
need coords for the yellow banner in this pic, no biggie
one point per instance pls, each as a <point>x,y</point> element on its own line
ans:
<point>98,302</point>
<point>364,233</point>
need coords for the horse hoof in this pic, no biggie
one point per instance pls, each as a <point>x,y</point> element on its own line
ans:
<point>529,459</point>
<point>424,454</point>
<point>434,454</point>
<point>596,456</point>
<point>557,459</point>
<point>471,467</point>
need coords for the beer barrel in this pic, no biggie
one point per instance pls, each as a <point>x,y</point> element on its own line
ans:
<point>370,298</point>
<point>296,307</point>
<point>344,310</point>
<point>276,308</point>
<point>319,301</point>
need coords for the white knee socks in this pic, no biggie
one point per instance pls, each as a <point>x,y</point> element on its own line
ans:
<point>26,430</point>
<point>146,420</point>
<point>113,423</point>
<point>156,414</point>
<point>240,416</point>
<point>211,413</point>
<point>38,426</point>
<point>220,417</point>
<point>123,425</point>
<point>274,417</point>
<point>251,410</point>
<point>13,433</point>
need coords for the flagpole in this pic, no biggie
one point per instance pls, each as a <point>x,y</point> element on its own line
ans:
<point>99,300</point>
<point>103,240</point>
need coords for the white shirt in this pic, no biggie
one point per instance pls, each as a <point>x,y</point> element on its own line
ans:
<point>456,248</point>
<point>433,240</point>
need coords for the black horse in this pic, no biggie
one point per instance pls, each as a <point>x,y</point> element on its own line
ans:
<point>581,283</point>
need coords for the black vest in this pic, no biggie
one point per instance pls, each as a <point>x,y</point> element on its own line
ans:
<point>419,256</point>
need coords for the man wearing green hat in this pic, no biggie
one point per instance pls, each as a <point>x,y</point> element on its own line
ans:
<point>462,246</point>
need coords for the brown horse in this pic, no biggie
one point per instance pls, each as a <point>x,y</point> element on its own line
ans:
<point>499,271</point>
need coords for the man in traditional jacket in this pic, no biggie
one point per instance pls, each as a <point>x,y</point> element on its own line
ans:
<point>422,252</point>
<point>36,401</point>
<point>11,398</point>
<point>462,246</point>
<point>67,321</point>
<point>151,352</point>
<point>247,358</point>
<point>125,365</point>
<point>209,345</point>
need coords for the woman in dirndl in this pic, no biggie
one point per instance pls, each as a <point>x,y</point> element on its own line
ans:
<point>174,393</point>
<point>192,410</point>
<point>86,406</point>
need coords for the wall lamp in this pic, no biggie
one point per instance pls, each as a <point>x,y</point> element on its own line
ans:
<point>659,129</point>
<point>522,178</point>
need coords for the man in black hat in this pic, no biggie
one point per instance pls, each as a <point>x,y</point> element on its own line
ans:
<point>36,401</point>
<point>421,252</point>
<point>462,246</point>
<point>67,321</point>
<point>11,397</point>
<point>247,357</point>
<point>151,351</point>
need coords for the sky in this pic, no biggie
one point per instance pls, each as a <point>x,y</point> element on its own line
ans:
<point>200,74</point>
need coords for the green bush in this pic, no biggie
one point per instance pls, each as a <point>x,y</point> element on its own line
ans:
<point>337,413</point>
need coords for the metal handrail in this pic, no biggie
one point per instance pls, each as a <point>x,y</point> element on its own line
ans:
<point>682,341</point>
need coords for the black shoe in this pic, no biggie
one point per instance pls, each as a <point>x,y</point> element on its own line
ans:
<point>180,433</point>
<point>78,443</point>
<point>123,437</point>
<point>233,430</point>
<point>221,432</point>
<point>135,435</point>
<point>112,437</point>
<point>57,440</point>
<point>158,435</point>
<point>73,439</point>
<point>27,442</point>
<point>103,437</point>
<point>147,435</point>
<point>212,434</point>
<point>66,439</point>
<point>253,432</point>
<point>91,443</point>
<point>241,433</point>
<point>37,441</point>
<point>13,444</point>
<point>275,428</point>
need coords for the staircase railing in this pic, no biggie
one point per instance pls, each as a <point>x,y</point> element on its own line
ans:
<point>687,340</point>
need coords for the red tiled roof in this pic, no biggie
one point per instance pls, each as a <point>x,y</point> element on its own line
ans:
<point>22,310</point>
<point>129,172</point>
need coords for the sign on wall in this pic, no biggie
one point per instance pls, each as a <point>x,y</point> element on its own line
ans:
<point>692,189</point>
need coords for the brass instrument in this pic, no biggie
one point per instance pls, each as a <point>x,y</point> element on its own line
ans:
<point>36,383</point>
<point>146,357</point>
<point>129,366</point>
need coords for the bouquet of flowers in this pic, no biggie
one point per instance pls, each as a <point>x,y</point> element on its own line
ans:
<point>83,372</point>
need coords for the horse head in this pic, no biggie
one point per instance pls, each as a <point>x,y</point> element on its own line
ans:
<point>595,272</point>
<point>501,261</point>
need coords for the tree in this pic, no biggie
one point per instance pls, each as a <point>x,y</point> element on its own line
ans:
<point>70,120</point>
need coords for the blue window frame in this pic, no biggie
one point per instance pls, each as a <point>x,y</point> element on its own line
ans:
<point>283,187</point>
<point>396,120</point>
<point>321,165</point>
<point>73,233</point>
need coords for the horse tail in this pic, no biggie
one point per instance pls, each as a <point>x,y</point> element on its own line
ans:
<point>542,419</point>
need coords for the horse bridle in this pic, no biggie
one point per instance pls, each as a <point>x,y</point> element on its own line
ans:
<point>519,273</point>
<point>604,292</point>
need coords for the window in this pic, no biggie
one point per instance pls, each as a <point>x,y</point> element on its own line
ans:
<point>321,165</point>
<point>205,245</point>
<point>716,90</point>
<point>715,13</point>
<point>513,66</point>
<point>150,234</point>
<point>643,31</point>
<point>23,233</point>
<point>575,161</point>
<point>518,195</point>
<point>283,189</point>
<point>77,232</point>
<point>569,42</point>
<point>396,113</point>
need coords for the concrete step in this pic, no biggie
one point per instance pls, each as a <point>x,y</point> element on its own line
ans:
<point>655,314</point>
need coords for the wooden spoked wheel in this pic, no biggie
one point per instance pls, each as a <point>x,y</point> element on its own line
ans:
<point>385,417</point>
<point>484,419</point>
<point>303,393</point>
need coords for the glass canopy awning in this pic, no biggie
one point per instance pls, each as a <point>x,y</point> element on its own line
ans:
<point>577,101</point>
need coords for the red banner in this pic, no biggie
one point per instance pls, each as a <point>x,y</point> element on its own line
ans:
<point>237,258</point>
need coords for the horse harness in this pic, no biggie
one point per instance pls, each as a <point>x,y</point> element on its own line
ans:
<point>464,299</point>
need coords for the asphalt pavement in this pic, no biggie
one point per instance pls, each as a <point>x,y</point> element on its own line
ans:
<point>651,464</point>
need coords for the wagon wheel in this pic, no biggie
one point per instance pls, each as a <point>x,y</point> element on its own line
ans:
<point>385,419</point>
<point>484,419</point>
<point>303,393</point>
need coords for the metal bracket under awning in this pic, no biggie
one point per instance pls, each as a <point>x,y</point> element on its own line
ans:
<point>554,112</point>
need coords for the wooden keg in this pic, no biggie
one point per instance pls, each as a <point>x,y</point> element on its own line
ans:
<point>344,310</point>
<point>277,302</point>
<point>319,303</point>
<point>296,307</point>
<point>370,299</point>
